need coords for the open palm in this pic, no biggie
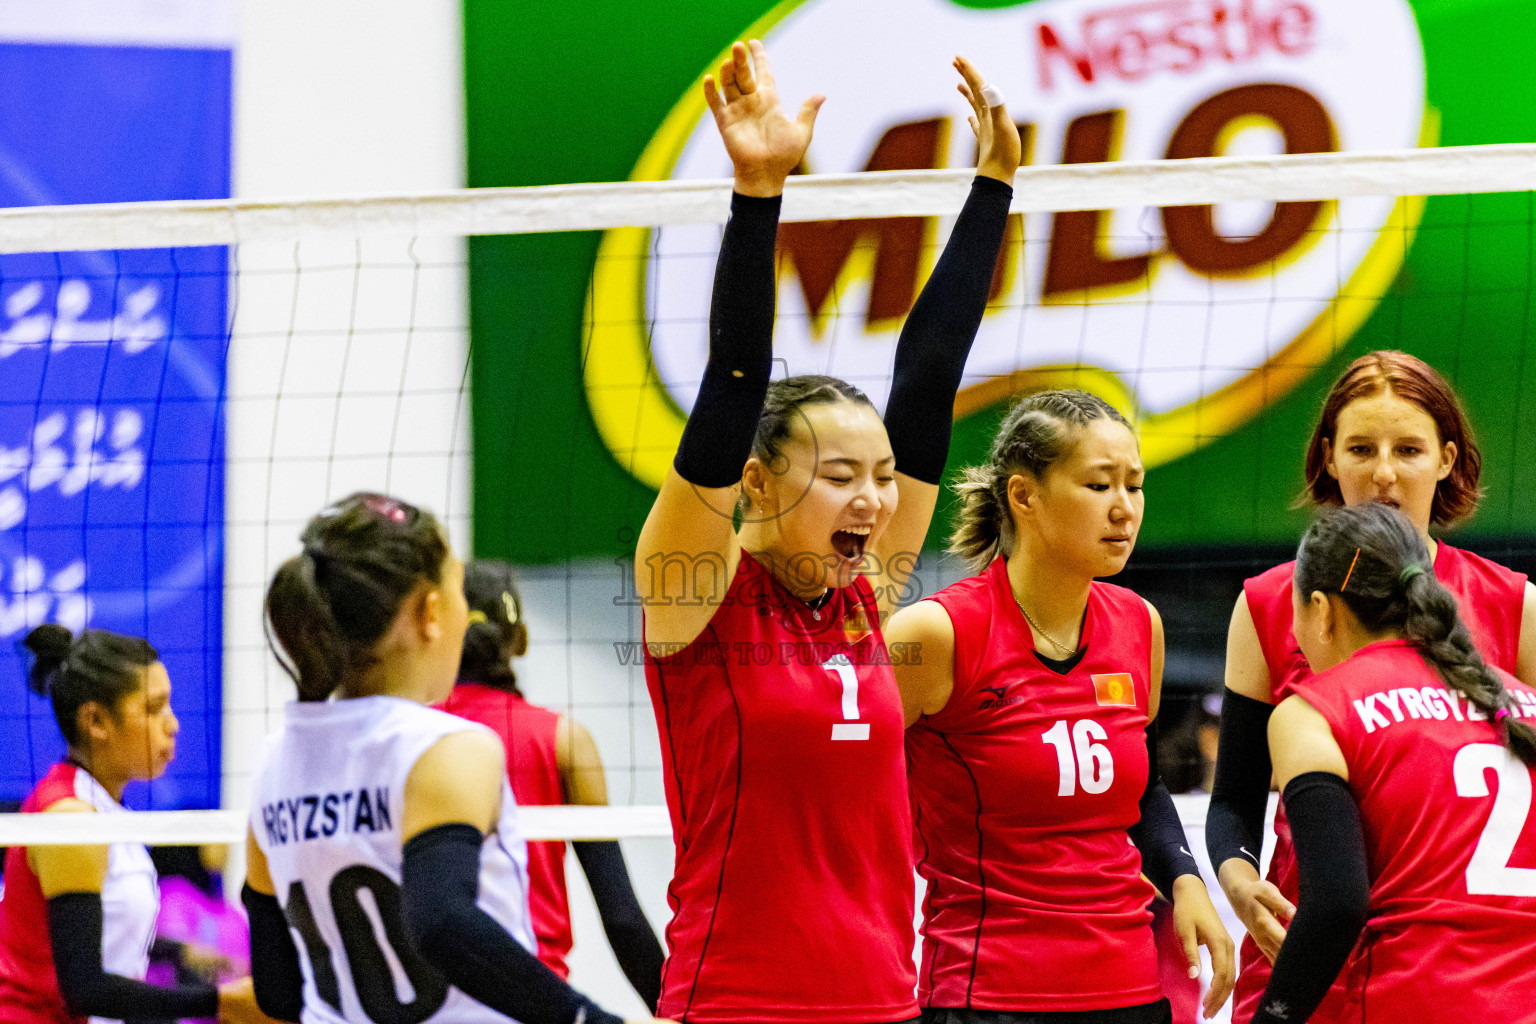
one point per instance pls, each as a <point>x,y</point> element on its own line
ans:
<point>765,144</point>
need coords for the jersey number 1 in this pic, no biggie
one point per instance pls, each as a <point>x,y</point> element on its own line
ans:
<point>373,977</point>
<point>1489,873</point>
<point>1093,766</point>
<point>850,728</point>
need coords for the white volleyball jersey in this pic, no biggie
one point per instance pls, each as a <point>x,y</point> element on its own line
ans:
<point>130,894</point>
<point>326,813</point>
<point>130,903</point>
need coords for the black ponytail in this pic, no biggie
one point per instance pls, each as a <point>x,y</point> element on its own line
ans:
<point>1372,555</point>
<point>328,607</point>
<point>497,632</point>
<point>97,666</point>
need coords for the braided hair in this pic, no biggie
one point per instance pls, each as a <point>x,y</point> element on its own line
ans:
<point>1392,585</point>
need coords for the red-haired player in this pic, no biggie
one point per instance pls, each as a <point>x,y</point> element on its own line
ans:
<point>1031,749</point>
<point>1406,767</point>
<point>781,732</point>
<point>1391,431</point>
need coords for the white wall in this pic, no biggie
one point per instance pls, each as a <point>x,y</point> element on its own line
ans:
<point>345,364</point>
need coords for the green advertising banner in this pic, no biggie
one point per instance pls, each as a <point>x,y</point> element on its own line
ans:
<point>1218,327</point>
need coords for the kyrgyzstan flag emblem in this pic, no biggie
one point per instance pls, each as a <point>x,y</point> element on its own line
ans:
<point>1114,690</point>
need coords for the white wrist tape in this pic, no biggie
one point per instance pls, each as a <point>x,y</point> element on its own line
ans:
<point>991,95</point>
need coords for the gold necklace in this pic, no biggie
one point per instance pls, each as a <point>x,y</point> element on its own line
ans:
<point>1069,651</point>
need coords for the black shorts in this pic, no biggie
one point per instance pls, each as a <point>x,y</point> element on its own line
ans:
<point>1160,1012</point>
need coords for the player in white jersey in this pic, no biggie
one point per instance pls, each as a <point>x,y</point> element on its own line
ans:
<point>384,833</point>
<point>76,922</point>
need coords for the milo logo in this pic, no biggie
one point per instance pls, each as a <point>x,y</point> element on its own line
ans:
<point>1190,318</point>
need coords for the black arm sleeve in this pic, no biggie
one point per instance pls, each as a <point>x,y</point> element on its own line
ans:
<point>275,972</point>
<point>1234,824</point>
<point>629,933</point>
<point>1335,897</point>
<point>439,883</point>
<point>718,435</point>
<point>937,337</point>
<point>74,932</point>
<point>1159,835</point>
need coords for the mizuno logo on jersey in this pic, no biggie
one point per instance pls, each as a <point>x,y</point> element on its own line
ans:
<point>1114,690</point>
<point>999,698</point>
<point>318,816</point>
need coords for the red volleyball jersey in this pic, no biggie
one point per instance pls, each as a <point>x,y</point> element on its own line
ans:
<point>528,733</point>
<point>781,745</point>
<point>1490,600</point>
<point>1023,788</point>
<point>130,902</point>
<point>1450,839</point>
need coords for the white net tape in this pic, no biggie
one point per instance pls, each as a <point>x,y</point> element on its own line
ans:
<point>188,828</point>
<point>1451,170</point>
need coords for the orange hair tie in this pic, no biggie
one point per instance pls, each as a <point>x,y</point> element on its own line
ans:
<point>1351,571</point>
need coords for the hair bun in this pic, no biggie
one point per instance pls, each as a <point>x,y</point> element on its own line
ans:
<point>49,644</point>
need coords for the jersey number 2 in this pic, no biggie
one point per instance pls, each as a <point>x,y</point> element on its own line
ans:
<point>372,975</point>
<point>1489,873</point>
<point>850,728</point>
<point>1093,767</point>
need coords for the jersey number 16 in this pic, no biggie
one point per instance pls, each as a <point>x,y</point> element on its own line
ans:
<point>1093,767</point>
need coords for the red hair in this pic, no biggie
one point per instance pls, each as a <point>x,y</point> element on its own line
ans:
<point>1413,380</point>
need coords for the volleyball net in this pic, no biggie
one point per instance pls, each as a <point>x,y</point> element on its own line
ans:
<point>182,385</point>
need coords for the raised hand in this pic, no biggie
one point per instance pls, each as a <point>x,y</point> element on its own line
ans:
<point>997,137</point>
<point>765,144</point>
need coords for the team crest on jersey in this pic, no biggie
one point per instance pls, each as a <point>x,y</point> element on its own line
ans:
<point>1114,690</point>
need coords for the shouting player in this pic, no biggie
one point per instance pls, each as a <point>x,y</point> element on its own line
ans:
<point>551,759</point>
<point>1031,748</point>
<point>1406,768</point>
<point>366,789</point>
<point>1391,431</point>
<point>76,922</point>
<point>780,723</point>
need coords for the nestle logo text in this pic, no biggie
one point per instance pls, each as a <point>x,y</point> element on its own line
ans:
<point>1130,42</point>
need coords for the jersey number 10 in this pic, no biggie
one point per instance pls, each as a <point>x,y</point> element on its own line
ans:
<point>373,978</point>
<point>1093,767</point>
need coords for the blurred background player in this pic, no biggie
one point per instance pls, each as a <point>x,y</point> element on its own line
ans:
<point>77,922</point>
<point>551,759</point>
<point>1031,744</point>
<point>365,787</point>
<point>1406,767</point>
<point>780,723</point>
<point>199,935</point>
<point>1391,431</point>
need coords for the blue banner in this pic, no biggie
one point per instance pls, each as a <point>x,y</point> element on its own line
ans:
<point>111,388</point>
